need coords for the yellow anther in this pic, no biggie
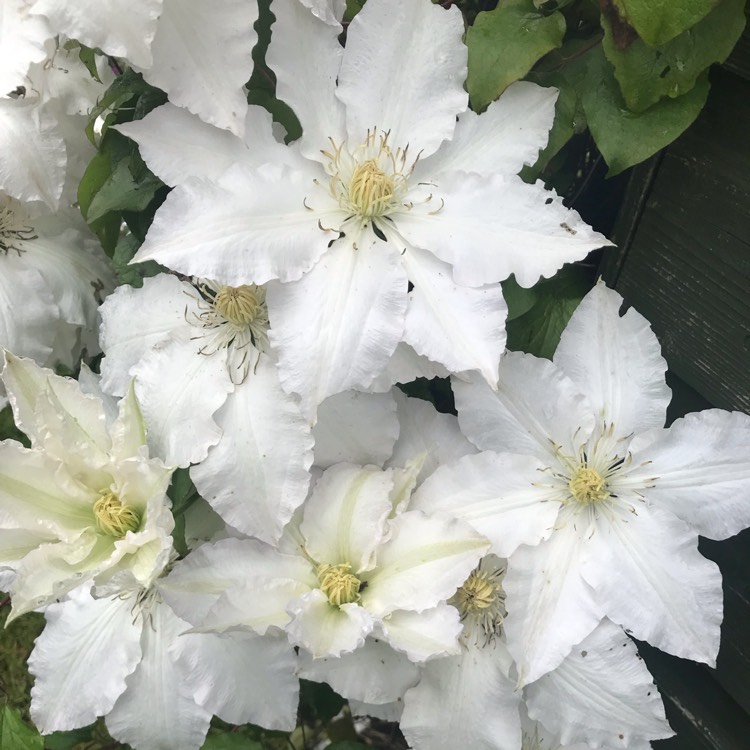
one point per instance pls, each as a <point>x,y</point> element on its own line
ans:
<point>238,304</point>
<point>477,593</point>
<point>338,584</point>
<point>588,486</point>
<point>113,518</point>
<point>371,189</point>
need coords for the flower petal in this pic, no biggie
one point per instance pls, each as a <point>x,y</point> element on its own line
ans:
<point>81,659</point>
<point>460,327</point>
<point>650,578</point>
<point>257,475</point>
<point>241,678</point>
<point>535,410</point>
<point>177,145</point>
<point>305,54</point>
<point>345,516</point>
<point>501,140</point>
<point>250,228</point>
<point>135,321</point>
<point>427,434</point>
<point>389,673</point>
<point>34,156</point>
<point>464,701</point>
<point>491,227</point>
<point>423,563</point>
<point>202,58</point>
<point>702,465</point>
<point>179,390</point>
<point>336,328</point>
<point>496,494</point>
<point>118,30</point>
<point>616,361</point>
<point>424,635</point>
<point>391,79</point>
<point>550,606</point>
<point>158,710</point>
<point>324,629</point>
<point>601,693</point>
<point>357,428</point>
<point>22,38</point>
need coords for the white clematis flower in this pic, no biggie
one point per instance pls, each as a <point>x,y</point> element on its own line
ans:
<point>85,502</point>
<point>22,42</point>
<point>350,567</point>
<point>57,275</point>
<point>210,395</point>
<point>601,515</point>
<point>601,696</point>
<point>122,656</point>
<point>376,197</point>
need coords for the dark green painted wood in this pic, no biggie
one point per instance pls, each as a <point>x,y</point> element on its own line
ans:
<point>685,248</point>
<point>684,262</point>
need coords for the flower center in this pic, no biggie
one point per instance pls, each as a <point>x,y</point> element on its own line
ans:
<point>371,189</point>
<point>238,304</point>
<point>338,584</point>
<point>14,231</point>
<point>113,518</point>
<point>481,600</point>
<point>588,486</point>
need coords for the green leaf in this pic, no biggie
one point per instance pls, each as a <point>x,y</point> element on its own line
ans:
<point>504,44</point>
<point>15,735</point>
<point>658,21</point>
<point>647,74</point>
<point>8,429</point>
<point>518,298</point>
<point>626,138</point>
<point>538,331</point>
<point>318,702</point>
<point>68,740</point>
<point>230,742</point>
<point>122,192</point>
<point>126,248</point>
<point>346,745</point>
